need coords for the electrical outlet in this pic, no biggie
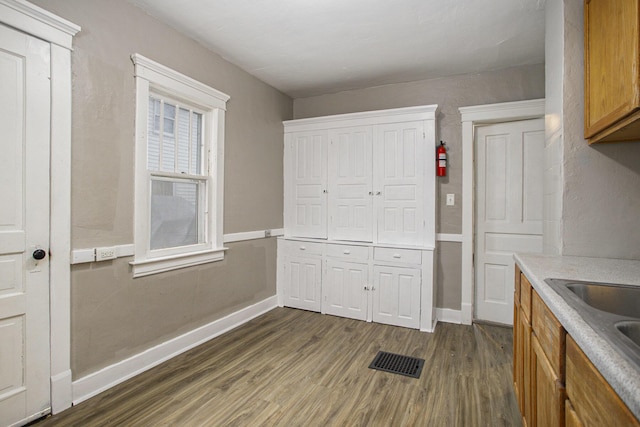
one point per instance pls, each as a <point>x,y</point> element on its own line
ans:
<point>451,199</point>
<point>103,254</point>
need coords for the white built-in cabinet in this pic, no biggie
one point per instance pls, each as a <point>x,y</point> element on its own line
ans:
<point>359,216</point>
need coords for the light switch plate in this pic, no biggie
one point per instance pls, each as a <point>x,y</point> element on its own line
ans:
<point>451,199</point>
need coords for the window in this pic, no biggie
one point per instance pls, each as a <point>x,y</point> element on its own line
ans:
<point>178,170</point>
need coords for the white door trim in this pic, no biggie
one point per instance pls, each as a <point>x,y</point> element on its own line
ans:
<point>470,117</point>
<point>59,32</point>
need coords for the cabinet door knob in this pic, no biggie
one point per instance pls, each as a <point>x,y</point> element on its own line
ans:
<point>371,193</point>
<point>378,193</point>
<point>324,191</point>
<point>366,289</point>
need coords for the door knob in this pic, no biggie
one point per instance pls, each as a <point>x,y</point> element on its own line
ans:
<point>39,254</point>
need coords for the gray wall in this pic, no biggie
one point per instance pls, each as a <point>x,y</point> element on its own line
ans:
<point>513,84</point>
<point>600,184</point>
<point>114,316</point>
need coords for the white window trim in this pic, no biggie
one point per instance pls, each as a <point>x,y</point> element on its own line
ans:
<point>154,77</point>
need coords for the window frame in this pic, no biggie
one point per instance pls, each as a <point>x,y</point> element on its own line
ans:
<point>153,78</point>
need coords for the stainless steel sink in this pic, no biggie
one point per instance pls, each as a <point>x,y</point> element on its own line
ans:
<point>630,329</point>
<point>615,299</point>
<point>612,310</point>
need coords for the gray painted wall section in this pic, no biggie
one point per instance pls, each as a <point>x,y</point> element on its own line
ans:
<point>513,84</point>
<point>113,316</point>
<point>600,200</point>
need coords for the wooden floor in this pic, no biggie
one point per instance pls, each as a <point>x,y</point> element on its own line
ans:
<point>295,368</point>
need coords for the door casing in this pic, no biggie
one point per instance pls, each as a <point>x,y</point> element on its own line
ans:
<point>470,117</point>
<point>59,32</point>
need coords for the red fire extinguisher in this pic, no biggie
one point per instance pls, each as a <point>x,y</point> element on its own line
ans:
<point>441,160</point>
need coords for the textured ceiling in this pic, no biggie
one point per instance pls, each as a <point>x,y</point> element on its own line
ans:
<point>312,47</point>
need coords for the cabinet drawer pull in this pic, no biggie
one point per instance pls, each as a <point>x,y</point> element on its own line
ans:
<point>346,252</point>
<point>397,256</point>
<point>303,248</point>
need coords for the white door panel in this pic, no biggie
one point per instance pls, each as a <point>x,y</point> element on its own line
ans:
<point>509,168</point>
<point>302,284</point>
<point>398,176</point>
<point>350,184</point>
<point>343,289</point>
<point>396,296</point>
<point>308,151</point>
<point>24,226</point>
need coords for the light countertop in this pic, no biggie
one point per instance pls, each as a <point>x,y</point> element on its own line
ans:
<point>622,375</point>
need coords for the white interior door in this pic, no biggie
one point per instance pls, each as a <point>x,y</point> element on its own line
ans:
<point>350,184</point>
<point>398,174</point>
<point>509,193</point>
<point>308,168</point>
<point>24,227</point>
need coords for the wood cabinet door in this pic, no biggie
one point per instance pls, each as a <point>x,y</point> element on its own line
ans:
<point>396,296</point>
<point>398,176</point>
<point>302,283</point>
<point>345,289</point>
<point>306,184</point>
<point>525,384</point>
<point>351,184</point>
<point>611,45</point>
<point>571,417</point>
<point>547,390</point>
<point>595,402</point>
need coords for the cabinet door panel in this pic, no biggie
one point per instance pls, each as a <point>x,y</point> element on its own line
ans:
<point>547,391</point>
<point>350,184</point>
<point>343,289</point>
<point>398,176</point>
<point>302,283</point>
<point>307,177</point>
<point>396,296</point>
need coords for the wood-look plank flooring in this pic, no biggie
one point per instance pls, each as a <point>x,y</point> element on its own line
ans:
<point>296,368</point>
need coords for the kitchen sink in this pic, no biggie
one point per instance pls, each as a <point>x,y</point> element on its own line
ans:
<point>631,329</point>
<point>612,310</point>
<point>615,299</point>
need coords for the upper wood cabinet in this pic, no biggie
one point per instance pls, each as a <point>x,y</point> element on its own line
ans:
<point>612,70</point>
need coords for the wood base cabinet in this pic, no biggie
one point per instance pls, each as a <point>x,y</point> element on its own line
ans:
<point>538,348</point>
<point>554,381</point>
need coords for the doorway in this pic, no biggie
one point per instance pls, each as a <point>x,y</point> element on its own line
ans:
<point>508,210</point>
<point>472,117</point>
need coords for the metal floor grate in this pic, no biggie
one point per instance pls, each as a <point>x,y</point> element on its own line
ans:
<point>398,364</point>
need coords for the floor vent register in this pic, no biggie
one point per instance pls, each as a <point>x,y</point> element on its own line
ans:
<point>398,364</point>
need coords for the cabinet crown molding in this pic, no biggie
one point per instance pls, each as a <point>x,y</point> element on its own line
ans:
<point>395,115</point>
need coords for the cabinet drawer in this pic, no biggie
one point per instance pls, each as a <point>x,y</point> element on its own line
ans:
<point>348,252</point>
<point>294,247</point>
<point>525,296</point>
<point>550,334</point>
<point>397,255</point>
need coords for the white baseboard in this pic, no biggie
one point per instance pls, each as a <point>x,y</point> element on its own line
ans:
<point>448,315</point>
<point>97,382</point>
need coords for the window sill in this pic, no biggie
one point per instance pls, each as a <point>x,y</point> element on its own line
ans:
<point>148,267</point>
